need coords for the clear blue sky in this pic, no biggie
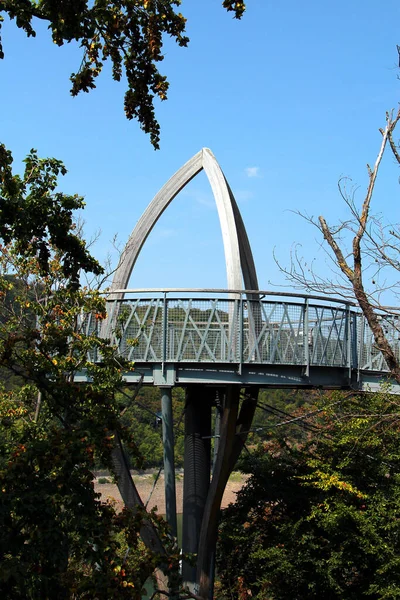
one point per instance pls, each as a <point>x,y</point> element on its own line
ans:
<point>289,99</point>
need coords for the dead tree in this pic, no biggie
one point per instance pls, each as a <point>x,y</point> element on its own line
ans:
<point>373,245</point>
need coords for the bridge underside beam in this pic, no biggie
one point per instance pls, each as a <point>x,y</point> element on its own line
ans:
<point>277,376</point>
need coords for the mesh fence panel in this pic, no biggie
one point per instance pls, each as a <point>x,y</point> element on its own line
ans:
<point>273,332</point>
<point>328,336</point>
<point>138,329</point>
<point>201,330</point>
<point>371,357</point>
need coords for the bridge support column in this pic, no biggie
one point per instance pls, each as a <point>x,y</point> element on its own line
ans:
<point>169,458</point>
<point>197,460</point>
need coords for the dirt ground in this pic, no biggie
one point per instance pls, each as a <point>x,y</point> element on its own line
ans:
<point>144,484</point>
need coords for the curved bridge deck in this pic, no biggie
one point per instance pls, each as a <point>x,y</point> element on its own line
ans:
<point>177,337</point>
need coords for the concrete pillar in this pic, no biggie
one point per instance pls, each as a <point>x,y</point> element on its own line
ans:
<point>197,463</point>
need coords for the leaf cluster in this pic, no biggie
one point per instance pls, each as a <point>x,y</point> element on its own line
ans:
<point>129,33</point>
<point>38,220</point>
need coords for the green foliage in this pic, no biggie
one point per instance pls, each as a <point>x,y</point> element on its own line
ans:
<point>234,5</point>
<point>236,476</point>
<point>319,518</point>
<point>127,32</point>
<point>103,480</point>
<point>35,217</point>
<point>58,540</point>
<point>279,408</point>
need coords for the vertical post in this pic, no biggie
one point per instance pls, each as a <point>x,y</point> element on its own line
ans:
<point>241,334</point>
<point>196,480</point>
<point>169,458</point>
<point>305,338</point>
<point>171,347</point>
<point>354,341</point>
<point>361,361</point>
<point>348,322</point>
<point>164,331</point>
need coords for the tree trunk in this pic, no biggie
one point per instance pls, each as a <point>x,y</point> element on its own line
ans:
<point>377,331</point>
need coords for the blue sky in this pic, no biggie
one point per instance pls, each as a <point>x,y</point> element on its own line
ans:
<point>289,100</point>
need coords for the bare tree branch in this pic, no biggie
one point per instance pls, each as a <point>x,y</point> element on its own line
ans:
<point>394,147</point>
<point>370,241</point>
<point>337,251</point>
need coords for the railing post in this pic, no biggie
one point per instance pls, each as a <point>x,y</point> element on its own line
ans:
<point>164,331</point>
<point>354,338</point>
<point>348,330</point>
<point>241,334</point>
<point>361,347</point>
<point>171,337</point>
<point>305,339</point>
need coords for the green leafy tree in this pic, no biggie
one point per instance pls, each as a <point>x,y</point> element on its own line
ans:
<point>129,33</point>
<point>319,519</point>
<point>58,540</point>
<point>280,408</point>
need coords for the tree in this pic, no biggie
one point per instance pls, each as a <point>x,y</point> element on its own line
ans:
<point>58,540</point>
<point>374,249</point>
<point>128,32</point>
<point>319,519</point>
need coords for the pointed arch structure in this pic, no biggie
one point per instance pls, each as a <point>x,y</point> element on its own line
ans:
<point>239,260</point>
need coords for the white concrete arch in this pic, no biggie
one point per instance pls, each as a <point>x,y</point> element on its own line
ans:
<point>238,256</point>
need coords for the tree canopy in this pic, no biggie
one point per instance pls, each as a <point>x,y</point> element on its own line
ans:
<point>318,517</point>
<point>129,33</point>
<point>58,540</point>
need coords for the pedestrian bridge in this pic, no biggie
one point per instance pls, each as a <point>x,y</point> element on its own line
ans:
<point>178,337</point>
<point>235,336</point>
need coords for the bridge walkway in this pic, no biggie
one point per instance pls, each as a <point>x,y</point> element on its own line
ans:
<point>178,337</point>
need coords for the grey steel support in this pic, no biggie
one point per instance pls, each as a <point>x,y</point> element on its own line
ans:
<point>306,333</point>
<point>361,348</point>
<point>240,336</point>
<point>169,458</point>
<point>164,332</point>
<point>197,459</point>
<point>354,341</point>
<point>348,339</point>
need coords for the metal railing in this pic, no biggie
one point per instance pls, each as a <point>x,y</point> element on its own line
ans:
<point>225,326</point>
